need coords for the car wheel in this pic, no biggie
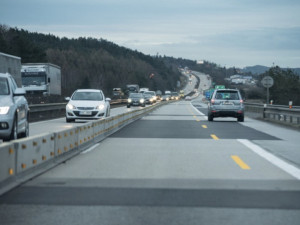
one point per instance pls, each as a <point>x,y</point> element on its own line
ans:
<point>128,106</point>
<point>14,130</point>
<point>69,120</point>
<point>210,117</point>
<point>240,119</point>
<point>26,132</point>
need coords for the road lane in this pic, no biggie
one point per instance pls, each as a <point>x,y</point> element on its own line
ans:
<point>60,124</point>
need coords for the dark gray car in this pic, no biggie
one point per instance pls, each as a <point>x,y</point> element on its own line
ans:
<point>136,99</point>
<point>14,110</point>
<point>226,103</point>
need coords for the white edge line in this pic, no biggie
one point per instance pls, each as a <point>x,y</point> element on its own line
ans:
<point>200,113</point>
<point>46,121</point>
<point>90,149</point>
<point>290,169</point>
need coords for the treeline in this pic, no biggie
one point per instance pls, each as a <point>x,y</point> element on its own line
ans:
<point>89,62</point>
<point>286,86</point>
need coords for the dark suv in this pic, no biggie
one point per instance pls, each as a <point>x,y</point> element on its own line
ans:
<point>226,103</point>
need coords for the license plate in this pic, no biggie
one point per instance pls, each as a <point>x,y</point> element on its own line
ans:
<point>85,113</point>
<point>227,103</point>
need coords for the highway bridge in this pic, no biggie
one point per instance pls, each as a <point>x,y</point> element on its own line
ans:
<point>167,165</point>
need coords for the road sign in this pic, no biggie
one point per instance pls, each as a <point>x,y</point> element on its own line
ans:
<point>220,87</point>
<point>267,81</point>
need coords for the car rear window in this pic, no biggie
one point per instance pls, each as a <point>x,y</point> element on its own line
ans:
<point>227,95</point>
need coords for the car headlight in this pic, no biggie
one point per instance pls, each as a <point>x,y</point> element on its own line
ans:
<point>142,101</point>
<point>4,110</point>
<point>100,107</point>
<point>129,100</point>
<point>70,106</point>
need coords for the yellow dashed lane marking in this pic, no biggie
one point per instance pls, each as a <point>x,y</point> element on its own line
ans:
<point>214,137</point>
<point>204,126</point>
<point>240,162</point>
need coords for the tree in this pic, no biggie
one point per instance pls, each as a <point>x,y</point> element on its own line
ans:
<point>286,86</point>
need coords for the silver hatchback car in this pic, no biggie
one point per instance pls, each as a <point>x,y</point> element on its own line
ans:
<point>14,109</point>
<point>226,103</point>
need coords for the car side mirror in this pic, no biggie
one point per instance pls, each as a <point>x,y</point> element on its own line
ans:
<point>19,92</point>
<point>67,98</point>
<point>107,99</point>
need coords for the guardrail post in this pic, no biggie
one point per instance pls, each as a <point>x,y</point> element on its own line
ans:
<point>264,112</point>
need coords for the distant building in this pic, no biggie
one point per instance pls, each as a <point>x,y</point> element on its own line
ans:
<point>240,79</point>
<point>236,76</point>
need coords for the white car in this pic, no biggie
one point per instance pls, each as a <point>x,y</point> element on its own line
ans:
<point>86,104</point>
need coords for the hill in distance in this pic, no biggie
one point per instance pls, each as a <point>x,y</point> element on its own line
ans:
<point>258,69</point>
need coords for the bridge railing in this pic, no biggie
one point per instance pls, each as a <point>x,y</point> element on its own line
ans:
<point>276,113</point>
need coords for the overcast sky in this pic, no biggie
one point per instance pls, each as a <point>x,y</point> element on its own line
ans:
<point>228,32</point>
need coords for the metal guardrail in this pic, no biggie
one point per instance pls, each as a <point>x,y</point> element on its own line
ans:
<point>53,110</point>
<point>22,159</point>
<point>275,113</point>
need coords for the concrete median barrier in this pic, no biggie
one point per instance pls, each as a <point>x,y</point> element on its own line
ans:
<point>23,159</point>
<point>34,151</point>
<point>8,163</point>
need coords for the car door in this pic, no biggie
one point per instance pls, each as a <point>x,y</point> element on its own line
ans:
<point>21,107</point>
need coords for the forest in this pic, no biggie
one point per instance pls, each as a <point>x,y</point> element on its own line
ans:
<point>89,62</point>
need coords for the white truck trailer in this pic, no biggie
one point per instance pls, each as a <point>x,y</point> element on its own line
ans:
<point>41,78</point>
<point>12,65</point>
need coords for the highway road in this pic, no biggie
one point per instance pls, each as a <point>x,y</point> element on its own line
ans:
<point>170,167</point>
<point>59,124</point>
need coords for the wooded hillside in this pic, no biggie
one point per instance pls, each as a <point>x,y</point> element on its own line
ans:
<point>89,62</point>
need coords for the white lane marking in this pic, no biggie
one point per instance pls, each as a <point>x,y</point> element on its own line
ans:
<point>290,169</point>
<point>90,149</point>
<point>47,121</point>
<point>200,113</point>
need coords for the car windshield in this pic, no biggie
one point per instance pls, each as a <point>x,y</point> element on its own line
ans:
<point>227,95</point>
<point>90,96</point>
<point>136,95</point>
<point>4,90</point>
<point>147,96</point>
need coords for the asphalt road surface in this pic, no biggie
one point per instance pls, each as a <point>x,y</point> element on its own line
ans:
<point>170,167</point>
